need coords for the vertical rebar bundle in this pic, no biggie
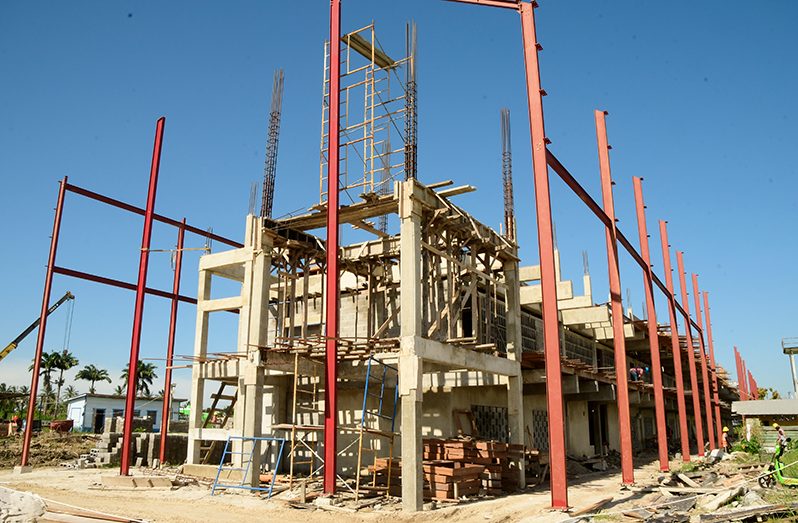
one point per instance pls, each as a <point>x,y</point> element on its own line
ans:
<point>411,110</point>
<point>270,165</point>
<point>507,176</point>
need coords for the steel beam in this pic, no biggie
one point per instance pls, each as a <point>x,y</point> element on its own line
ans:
<point>548,278</point>
<point>332,280</point>
<point>704,369</point>
<point>699,430</point>
<point>675,346</point>
<point>716,397</point>
<point>170,346</point>
<point>653,335</point>
<point>751,387</point>
<point>156,217</point>
<point>138,312</point>
<point>583,195</point>
<point>616,304</point>
<point>37,358</point>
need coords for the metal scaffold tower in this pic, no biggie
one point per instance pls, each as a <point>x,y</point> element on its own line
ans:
<point>377,421</point>
<point>378,111</point>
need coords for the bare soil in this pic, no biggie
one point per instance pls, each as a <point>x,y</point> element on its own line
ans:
<point>83,488</point>
<point>46,449</point>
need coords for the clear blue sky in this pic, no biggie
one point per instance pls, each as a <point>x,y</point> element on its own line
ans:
<point>701,99</point>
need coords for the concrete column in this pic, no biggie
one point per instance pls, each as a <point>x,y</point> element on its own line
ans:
<point>410,390</point>
<point>197,383</point>
<point>411,365</point>
<point>515,394</point>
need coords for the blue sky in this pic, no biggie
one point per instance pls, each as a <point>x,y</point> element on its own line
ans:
<point>701,102</point>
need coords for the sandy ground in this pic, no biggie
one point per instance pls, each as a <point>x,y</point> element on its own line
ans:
<point>194,503</point>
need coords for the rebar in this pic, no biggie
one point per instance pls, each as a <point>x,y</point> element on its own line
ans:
<point>272,140</point>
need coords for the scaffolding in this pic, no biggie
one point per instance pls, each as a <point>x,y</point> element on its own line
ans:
<point>374,116</point>
<point>371,420</point>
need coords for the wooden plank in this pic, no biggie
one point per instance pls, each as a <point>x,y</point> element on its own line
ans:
<point>593,507</point>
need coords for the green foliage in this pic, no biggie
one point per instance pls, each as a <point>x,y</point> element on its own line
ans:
<point>92,374</point>
<point>145,375</point>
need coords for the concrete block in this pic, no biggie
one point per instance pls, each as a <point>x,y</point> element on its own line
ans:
<point>159,481</point>
<point>119,481</point>
<point>19,469</point>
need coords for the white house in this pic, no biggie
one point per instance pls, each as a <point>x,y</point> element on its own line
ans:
<point>89,411</point>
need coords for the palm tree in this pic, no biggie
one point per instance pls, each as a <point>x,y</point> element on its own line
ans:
<point>48,365</point>
<point>7,406</point>
<point>65,360</point>
<point>70,392</point>
<point>119,390</point>
<point>145,374</point>
<point>93,374</point>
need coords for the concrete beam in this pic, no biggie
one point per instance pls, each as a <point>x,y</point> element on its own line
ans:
<point>460,358</point>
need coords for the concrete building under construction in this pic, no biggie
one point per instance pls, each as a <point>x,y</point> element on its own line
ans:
<point>440,328</point>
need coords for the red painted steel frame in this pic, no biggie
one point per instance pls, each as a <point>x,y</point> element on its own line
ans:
<point>653,335</point>
<point>699,430</point>
<point>751,386</point>
<point>704,369</point>
<point>548,279</point>
<point>718,422</point>
<point>738,363</point>
<point>332,283</point>
<point>675,345</point>
<point>37,359</point>
<point>122,284</point>
<point>616,305</point>
<point>745,379</point>
<point>170,347</point>
<point>135,343</point>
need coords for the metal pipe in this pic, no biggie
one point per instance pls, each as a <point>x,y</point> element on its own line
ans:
<point>548,279</point>
<point>699,430</point>
<point>616,305</point>
<point>653,335</point>
<point>332,284</point>
<point>135,342</point>
<point>37,358</point>
<point>716,397</point>
<point>704,369</point>
<point>675,346</point>
<point>170,347</point>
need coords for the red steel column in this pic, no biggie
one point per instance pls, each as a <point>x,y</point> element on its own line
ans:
<point>718,422</point>
<point>699,430</point>
<point>135,343</point>
<point>170,348</point>
<point>751,386</point>
<point>745,379</point>
<point>738,362</point>
<point>37,359</point>
<point>551,328</point>
<point>331,287</point>
<point>704,369</point>
<point>653,335</point>
<point>675,347</point>
<point>619,341</point>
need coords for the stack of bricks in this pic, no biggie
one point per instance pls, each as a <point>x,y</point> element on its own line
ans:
<point>454,468</point>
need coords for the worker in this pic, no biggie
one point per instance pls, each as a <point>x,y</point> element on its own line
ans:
<point>782,436</point>
<point>726,442</point>
<point>13,426</point>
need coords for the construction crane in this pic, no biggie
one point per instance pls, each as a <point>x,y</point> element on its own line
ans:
<point>13,345</point>
<point>507,176</point>
<point>270,166</point>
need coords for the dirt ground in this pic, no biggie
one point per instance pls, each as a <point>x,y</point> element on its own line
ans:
<point>46,449</point>
<point>194,503</point>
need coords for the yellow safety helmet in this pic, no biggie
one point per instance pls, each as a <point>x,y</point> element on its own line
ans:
<point>725,429</point>
<point>775,425</point>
